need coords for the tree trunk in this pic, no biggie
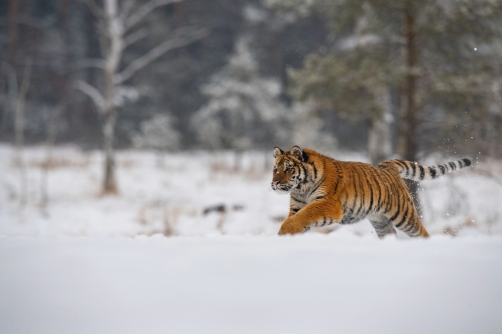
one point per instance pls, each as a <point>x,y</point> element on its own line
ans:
<point>109,120</point>
<point>380,136</point>
<point>78,112</point>
<point>19,130</point>
<point>113,54</point>
<point>109,181</point>
<point>408,133</point>
<point>49,145</point>
<point>13,26</point>
<point>12,94</point>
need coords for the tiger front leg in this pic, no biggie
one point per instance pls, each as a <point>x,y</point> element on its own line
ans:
<point>321,213</point>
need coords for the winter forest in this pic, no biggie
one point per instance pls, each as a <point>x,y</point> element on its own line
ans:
<point>136,141</point>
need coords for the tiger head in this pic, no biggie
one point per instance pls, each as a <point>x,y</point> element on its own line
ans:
<point>288,172</point>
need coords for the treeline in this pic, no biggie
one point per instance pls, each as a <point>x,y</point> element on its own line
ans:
<point>408,77</point>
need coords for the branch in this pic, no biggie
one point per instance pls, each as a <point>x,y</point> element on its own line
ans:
<point>144,11</point>
<point>134,37</point>
<point>156,52</point>
<point>126,8</point>
<point>92,92</point>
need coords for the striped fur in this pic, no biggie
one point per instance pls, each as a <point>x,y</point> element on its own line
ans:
<point>414,171</point>
<point>324,191</point>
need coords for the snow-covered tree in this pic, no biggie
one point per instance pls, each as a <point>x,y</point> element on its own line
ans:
<point>308,130</point>
<point>159,134</point>
<point>244,109</point>
<point>118,29</point>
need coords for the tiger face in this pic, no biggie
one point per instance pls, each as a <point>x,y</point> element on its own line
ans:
<point>287,172</point>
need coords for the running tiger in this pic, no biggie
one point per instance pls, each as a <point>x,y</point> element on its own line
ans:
<point>325,191</point>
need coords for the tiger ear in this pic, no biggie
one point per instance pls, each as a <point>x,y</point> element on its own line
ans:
<point>277,152</point>
<point>298,153</point>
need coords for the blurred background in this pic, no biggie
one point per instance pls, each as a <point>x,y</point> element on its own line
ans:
<point>123,117</point>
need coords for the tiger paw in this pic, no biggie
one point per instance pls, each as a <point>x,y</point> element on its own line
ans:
<point>288,228</point>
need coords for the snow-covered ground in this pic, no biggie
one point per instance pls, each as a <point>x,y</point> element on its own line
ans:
<point>150,260</point>
<point>171,199</point>
<point>314,283</point>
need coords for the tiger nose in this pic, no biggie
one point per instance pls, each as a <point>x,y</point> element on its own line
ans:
<point>275,182</point>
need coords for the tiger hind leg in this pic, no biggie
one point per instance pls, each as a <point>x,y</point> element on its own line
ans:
<point>382,226</point>
<point>406,220</point>
<point>415,229</point>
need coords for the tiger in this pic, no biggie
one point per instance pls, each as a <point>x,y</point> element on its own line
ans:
<point>324,191</point>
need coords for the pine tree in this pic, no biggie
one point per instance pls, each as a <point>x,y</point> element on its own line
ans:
<point>244,109</point>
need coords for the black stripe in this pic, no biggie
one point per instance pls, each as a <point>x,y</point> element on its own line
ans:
<point>410,227</point>
<point>337,183</point>
<point>388,199</point>
<point>401,163</point>
<point>422,172</point>
<point>362,196</point>
<point>323,222</point>
<point>304,170</point>
<point>313,190</point>
<point>379,196</point>
<point>408,168</point>
<point>395,215</point>
<point>442,169</point>
<point>432,172</point>
<point>315,171</point>
<point>370,176</point>
<point>392,195</point>
<point>371,200</point>
<point>344,201</point>
<point>403,166</point>
<point>305,156</point>
<point>393,198</point>
<point>452,166</point>
<point>460,163</point>
<point>413,169</point>
<point>467,162</point>
<point>298,200</point>
<point>355,197</point>
<point>404,219</point>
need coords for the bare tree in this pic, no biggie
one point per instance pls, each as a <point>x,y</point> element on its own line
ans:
<point>118,30</point>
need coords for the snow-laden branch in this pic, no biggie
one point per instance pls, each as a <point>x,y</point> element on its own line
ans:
<point>158,51</point>
<point>144,10</point>
<point>92,92</point>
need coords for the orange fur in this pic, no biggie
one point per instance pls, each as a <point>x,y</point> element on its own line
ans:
<point>324,191</point>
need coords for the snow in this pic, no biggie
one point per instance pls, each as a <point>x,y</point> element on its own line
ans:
<point>93,264</point>
<point>314,283</point>
<point>171,199</point>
